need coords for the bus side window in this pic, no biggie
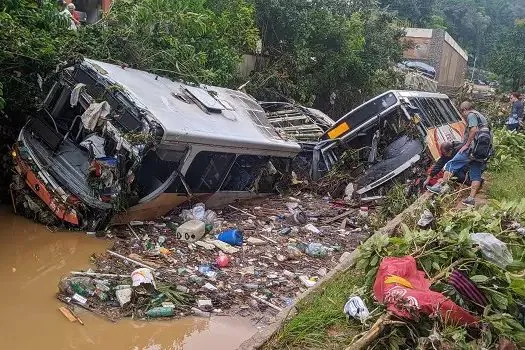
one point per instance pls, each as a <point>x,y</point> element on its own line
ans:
<point>244,172</point>
<point>208,170</point>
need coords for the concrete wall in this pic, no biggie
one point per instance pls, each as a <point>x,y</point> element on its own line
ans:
<point>438,49</point>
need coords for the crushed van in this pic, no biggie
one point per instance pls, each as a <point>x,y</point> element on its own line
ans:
<point>391,133</point>
<point>113,144</point>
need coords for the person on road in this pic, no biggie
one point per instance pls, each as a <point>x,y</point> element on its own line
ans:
<point>516,114</point>
<point>473,120</point>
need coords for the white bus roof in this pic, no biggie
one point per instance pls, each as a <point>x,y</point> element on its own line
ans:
<point>204,115</point>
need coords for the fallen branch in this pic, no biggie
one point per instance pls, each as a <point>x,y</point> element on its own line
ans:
<point>94,274</point>
<point>242,211</point>
<point>443,272</point>
<point>130,260</point>
<point>269,239</point>
<point>374,332</point>
<point>338,217</point>
<point>275,307</point>
<point>133,231</point>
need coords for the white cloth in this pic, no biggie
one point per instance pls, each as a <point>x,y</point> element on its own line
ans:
<point>75,94</point>
<point>98,145</point>
<point>92,116</point>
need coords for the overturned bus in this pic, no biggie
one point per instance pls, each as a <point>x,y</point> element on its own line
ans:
<point>114,144</point>
<point>391,133</point>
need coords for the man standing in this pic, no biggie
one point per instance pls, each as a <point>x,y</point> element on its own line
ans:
<point>474,121</point>
<point>516,114</point>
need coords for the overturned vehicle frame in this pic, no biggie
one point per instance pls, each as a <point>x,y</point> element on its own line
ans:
<point>114,144</point>
<point>390,133</point>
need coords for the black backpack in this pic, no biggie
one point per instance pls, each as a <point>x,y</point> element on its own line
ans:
<point>482,147</point>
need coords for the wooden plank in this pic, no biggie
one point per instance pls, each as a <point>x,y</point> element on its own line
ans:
<point>66,312</point>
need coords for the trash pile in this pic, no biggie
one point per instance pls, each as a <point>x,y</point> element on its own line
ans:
<point>249,260</point>
<point>457,284</point>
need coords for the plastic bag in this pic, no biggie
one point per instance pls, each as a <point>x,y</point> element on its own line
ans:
<point>316,250</point>
<point>186,215</point>
<point>426,218</point>
<point>198,211</point>
<point>355,307</point>
<point>210,217</point>
<point>493,249</point>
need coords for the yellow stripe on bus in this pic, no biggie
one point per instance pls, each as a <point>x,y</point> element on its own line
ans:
<point>338,130</point>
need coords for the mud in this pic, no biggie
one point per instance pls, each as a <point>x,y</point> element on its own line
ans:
<point>32,259</point>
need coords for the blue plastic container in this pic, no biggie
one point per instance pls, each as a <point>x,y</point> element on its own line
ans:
<point>231,236</point>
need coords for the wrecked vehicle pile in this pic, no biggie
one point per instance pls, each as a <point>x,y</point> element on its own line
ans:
<point>114,144</point>
<point>250,260</point>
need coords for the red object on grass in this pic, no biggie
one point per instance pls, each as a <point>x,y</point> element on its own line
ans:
<point>407,302</point>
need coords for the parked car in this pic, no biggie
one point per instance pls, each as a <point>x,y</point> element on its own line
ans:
<point>115,144</point>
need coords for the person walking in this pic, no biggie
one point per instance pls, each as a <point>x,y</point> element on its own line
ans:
<point>474,122</point>
<point>516,114</point>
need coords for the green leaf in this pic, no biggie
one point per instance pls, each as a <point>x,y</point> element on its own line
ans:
<point>374,261</point>
<point>479,279</point>
<point>518,286</point>
<point>370,276</point>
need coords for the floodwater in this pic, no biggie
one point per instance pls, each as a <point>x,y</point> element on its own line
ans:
<point>32,260</point>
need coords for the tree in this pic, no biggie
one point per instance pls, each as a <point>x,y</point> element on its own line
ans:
<point>417,12</point>
<point>33,38</point>
<point>508,56</point>
<point>195,40</point>
<point>327,55</point>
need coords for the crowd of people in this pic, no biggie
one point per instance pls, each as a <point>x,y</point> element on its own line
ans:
<point>466,161</point>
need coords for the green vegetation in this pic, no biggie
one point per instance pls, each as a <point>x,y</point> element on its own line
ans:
<point>506,167</point>
<point>507,184</point>
<point>328,54</point>
<point>438,251</point>
<point>508,55</point>
<point>320,322</point>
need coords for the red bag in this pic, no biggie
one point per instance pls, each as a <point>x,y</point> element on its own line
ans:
<point>406,293</point>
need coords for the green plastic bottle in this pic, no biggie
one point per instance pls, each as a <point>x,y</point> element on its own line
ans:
<point>79,289</point>
<point>160,312</point>
<point>173,226</point>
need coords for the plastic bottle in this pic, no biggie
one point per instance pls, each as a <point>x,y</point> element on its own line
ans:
<point>316,250</point>
<point>172,226</point>
<point>80,289</point>
<point>192,230</point>
<point>160,312</point>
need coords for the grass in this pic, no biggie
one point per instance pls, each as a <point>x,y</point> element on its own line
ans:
<point>320,322</point>
<point>507,184</point>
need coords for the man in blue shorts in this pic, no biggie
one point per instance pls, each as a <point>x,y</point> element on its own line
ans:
<point>473,120</point>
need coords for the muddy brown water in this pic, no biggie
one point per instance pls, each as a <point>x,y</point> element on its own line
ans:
<point>32,260</point>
